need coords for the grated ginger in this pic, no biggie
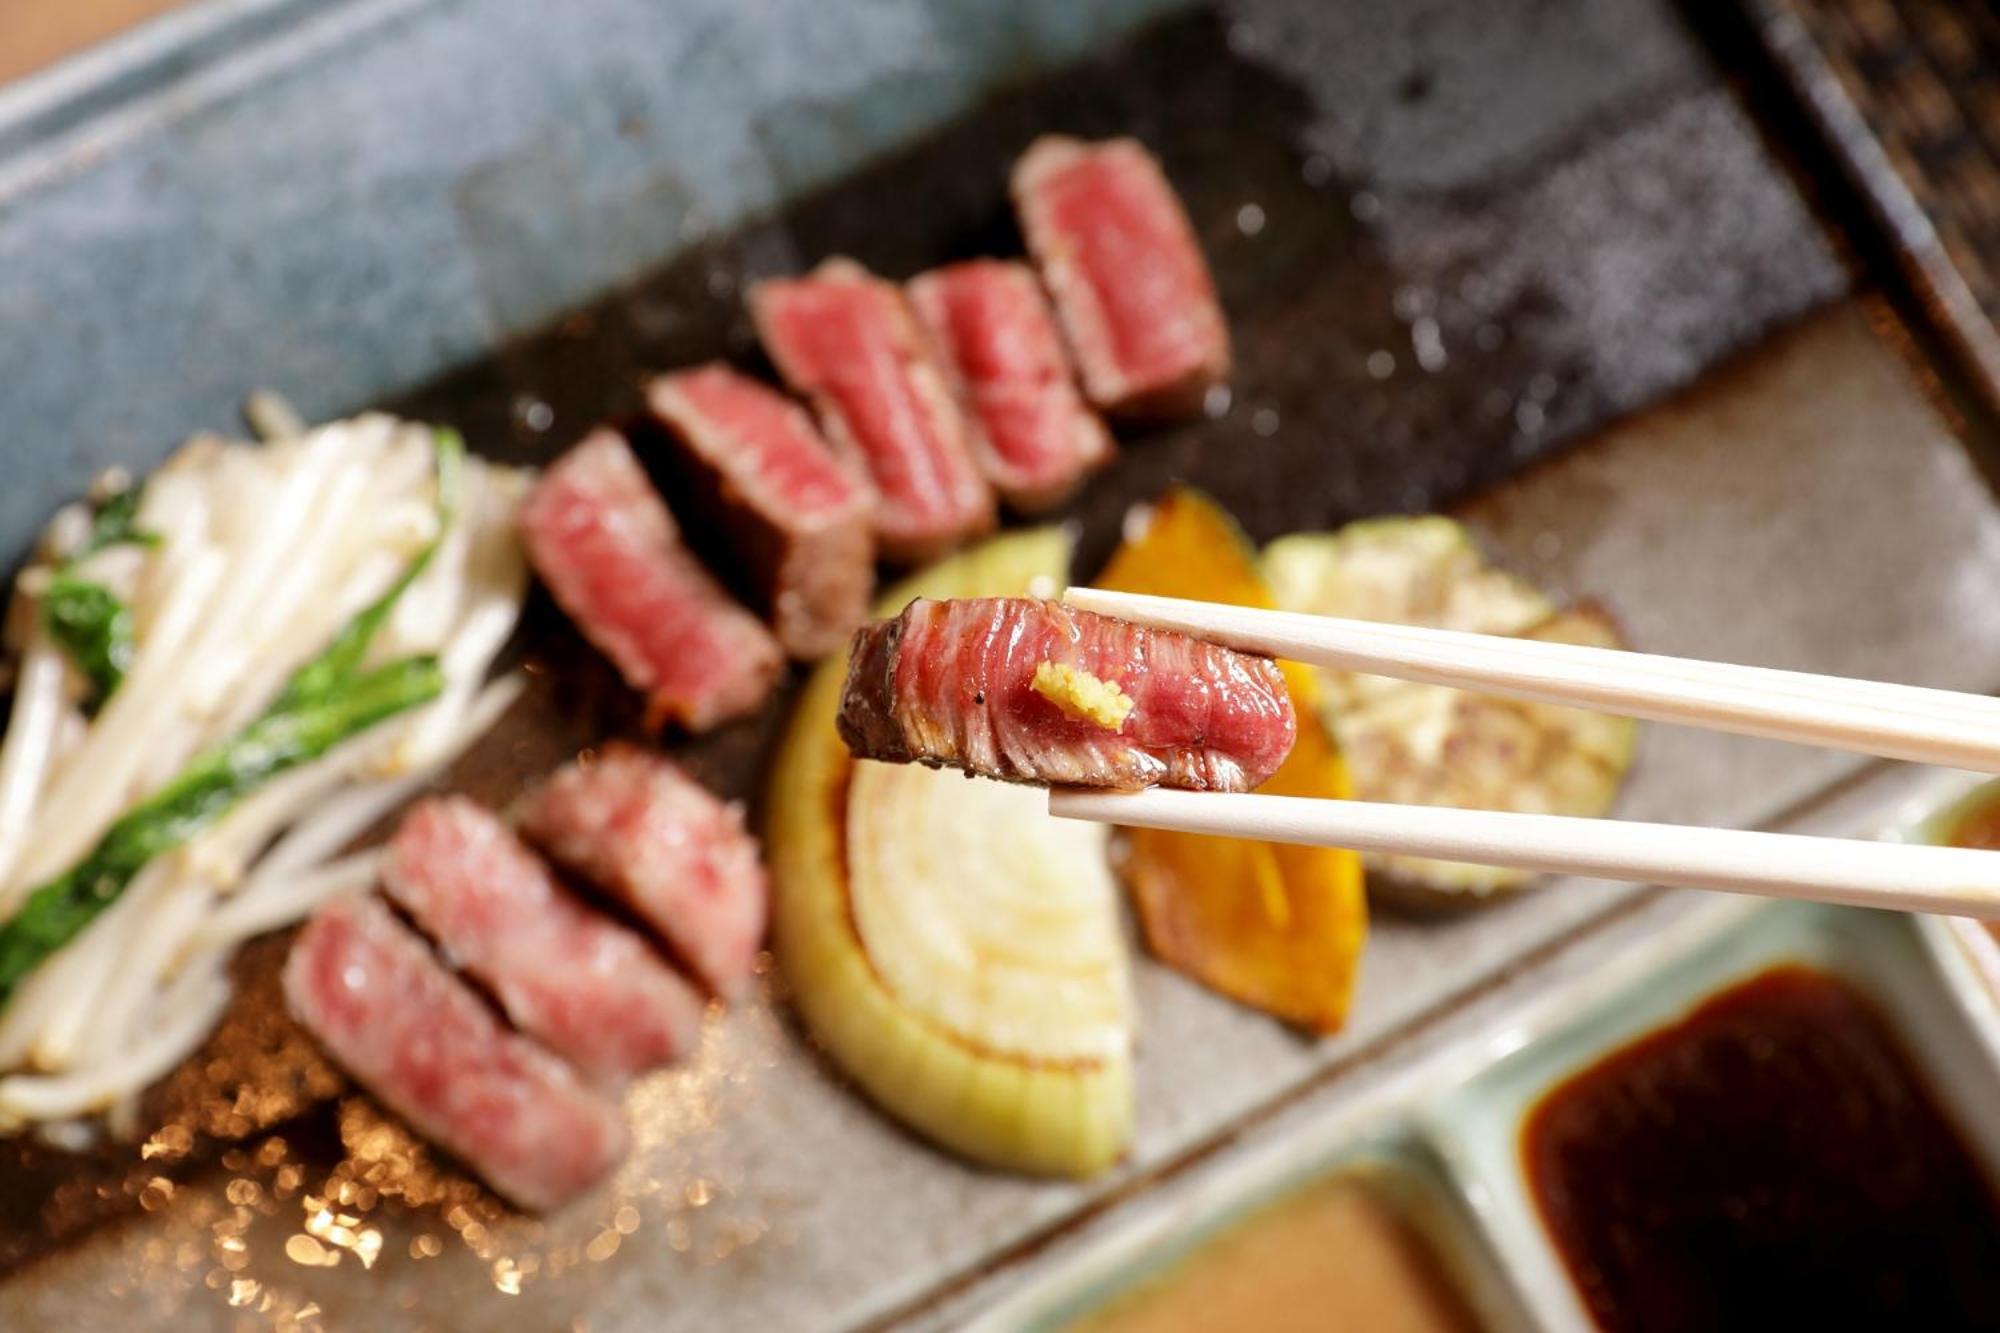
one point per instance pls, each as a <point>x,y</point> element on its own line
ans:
<point>1083,696</point>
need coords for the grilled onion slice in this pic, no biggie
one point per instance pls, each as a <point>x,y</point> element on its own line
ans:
<point>952,948</point>
<point>1427,745</point>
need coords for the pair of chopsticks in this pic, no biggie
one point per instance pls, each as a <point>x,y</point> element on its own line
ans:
<point>1868,717</point>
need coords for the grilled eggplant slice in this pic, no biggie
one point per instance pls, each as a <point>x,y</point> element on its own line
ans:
<point>1427,745</point>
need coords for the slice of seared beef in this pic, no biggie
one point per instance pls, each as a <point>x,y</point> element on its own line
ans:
<point>429,1048</point>
<point>850,344</point>
<point>1130,284</point>
<point>567,974</point>
<point>603,541</point>
<point>797,520</point>
<point>1038,438</point>
<point>661,844</point>
<point>1031,691</point>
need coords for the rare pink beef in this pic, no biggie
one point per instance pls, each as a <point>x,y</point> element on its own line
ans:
<point>603,541</point>
<point>950,684</point>
<point>429,1048</point>
<point>1130,284</point>
<point>568,975</point>
<point>1000,338</point>
<point>800,522</point>
<point>849,342</point>
<point>657,841</point>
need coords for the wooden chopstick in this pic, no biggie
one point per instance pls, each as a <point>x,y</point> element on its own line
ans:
<point>1871,717</point>
<point>1897,876</point>
<point>1907,722</point>
<point>1909,700</point>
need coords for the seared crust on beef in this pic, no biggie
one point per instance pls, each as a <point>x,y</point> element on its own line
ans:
<point>1131,287</point>
<point>565,973</point>
<point>603,541</point>
<point>755,476</point>
<point>849,343</point>
<point>952,684</point>
<point>1038,439</point>
<point>431,1050</point>
<point>639,828</point>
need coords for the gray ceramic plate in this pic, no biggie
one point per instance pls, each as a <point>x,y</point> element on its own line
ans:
<point>498,214</point>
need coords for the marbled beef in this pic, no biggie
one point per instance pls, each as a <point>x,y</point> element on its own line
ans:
<point>954,684</point>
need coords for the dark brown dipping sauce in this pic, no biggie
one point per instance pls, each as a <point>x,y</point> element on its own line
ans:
<point>1772,1161</point>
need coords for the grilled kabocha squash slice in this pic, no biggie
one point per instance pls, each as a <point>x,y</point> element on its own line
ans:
<point>1276,927</point>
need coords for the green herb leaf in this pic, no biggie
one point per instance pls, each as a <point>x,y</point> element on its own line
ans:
<point>327,701</point>
<point>94,630</point>
<point>344,654</point>
<point>59,910</point>
<point>114,524</point>
<point>87,620</point>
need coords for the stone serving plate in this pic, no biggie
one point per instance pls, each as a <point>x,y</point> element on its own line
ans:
<point>1535,264</point>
